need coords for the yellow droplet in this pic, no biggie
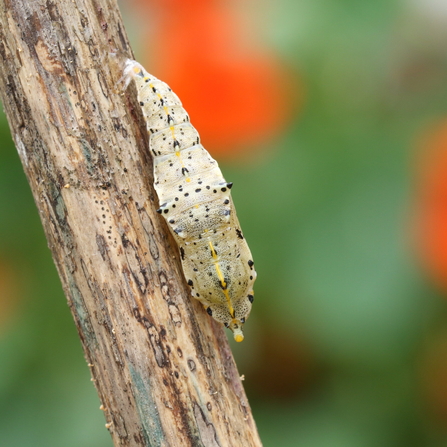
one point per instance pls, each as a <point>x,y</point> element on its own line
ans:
<point>238,337</point>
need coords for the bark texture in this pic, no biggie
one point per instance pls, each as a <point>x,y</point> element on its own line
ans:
<point>162,367</point>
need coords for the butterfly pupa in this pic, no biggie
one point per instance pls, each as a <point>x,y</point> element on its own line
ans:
<point>196,202</point>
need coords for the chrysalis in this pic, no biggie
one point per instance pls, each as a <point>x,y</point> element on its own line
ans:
<point>195,200</point>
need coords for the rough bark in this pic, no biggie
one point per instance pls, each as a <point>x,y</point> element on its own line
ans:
<point>162,367</point>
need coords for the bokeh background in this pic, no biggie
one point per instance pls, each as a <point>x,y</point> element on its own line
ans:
<point>331,119</point>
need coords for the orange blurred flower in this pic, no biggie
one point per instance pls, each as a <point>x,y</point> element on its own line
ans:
<point>237,94</point>
<point>431,208</point>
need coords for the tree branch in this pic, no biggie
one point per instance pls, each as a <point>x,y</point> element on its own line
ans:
<point>162,367</point>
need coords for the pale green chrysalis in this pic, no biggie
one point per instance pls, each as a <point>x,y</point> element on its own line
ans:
<point>196,202</point>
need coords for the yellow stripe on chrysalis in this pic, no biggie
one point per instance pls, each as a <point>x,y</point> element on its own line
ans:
<point>221,279</point>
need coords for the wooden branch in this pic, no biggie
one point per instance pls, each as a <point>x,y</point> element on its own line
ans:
<point>162,367</point>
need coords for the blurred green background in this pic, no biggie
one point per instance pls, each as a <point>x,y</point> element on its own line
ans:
<point>347,342</point>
